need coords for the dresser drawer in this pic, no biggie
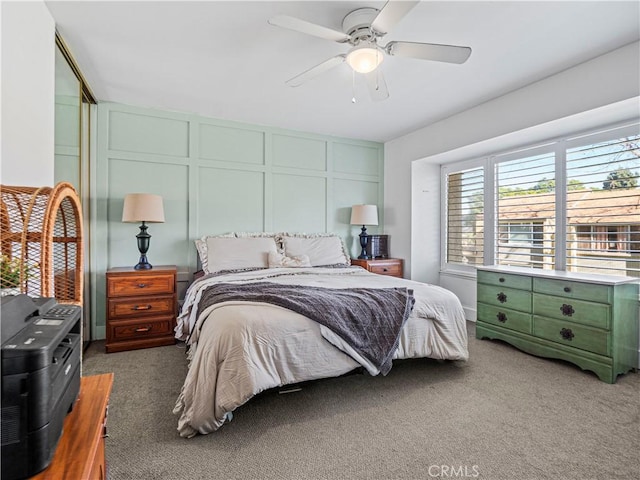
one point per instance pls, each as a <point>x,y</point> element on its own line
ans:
<point>577,311</point>
<point>511,319</point>
<point>568,289</point>
<point>567,333</point>
<point>132,285</point>
<point>137,329</point>
<point>141,306</point>
<point>504,280</point>
<point>505,297</point>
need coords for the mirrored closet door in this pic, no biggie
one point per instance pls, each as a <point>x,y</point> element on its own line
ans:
<point>74,107</point>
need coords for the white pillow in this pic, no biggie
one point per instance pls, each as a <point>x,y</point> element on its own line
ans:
<point>279,260</point>
<point>201,247</point>
<point>322,249</point>
<point>226,253</point>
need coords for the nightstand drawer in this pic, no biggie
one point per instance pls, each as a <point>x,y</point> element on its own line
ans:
<point>567,333</point>
<point>141,306</point>
<point>572,310</point>
<point>131,285</point>
<point>137,329</point>
<point>391,268</point>
<point>381,266</point>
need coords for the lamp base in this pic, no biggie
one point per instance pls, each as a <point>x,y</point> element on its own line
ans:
<point>143,246</point>
<point>364,240</point>
<point>143,264</point>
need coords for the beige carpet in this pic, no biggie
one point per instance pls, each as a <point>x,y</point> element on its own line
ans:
<point>503,414</point>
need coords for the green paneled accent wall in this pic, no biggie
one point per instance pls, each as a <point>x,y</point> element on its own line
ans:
<point>299,203</point>
<point>216,186</point>
<point>295,152</point>
<point>217,176</point>
<point>231,144</point>
<point>148,133</point>
<point>357,159</point>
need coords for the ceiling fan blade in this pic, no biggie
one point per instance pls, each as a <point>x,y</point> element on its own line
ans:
<point>429,51</point>
<point>377,86</point>
<point>391,14</point>
<point>315,71</point>
<point>309,28</point>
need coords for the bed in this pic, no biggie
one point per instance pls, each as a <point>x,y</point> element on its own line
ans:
<point>279,309</point>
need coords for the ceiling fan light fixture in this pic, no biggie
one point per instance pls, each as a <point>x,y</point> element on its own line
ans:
<point>365,58</point>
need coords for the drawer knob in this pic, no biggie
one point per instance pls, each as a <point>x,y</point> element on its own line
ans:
<point>501,279</point>
<point>141,307</point>
<point>143,329</point>
<point>567,289</point>
<point>502,297</point>
<point>502,317</point>
<point>142,285</point>
<point>567,334</point>
<point>385,269</point>
<point>567,310</point>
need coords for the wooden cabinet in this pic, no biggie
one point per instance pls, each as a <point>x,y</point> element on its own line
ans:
<point>589,320</point>
<point>141,307</point>
<point>383,266</point>
<point>80,452</point>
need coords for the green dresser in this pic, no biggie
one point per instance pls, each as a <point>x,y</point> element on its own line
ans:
<point>589,320</point>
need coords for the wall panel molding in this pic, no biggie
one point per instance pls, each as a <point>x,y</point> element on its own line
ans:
<point>217,176</point>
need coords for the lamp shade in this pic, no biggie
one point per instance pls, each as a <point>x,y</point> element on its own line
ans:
<point>364,215</point>
<point>143,207</point>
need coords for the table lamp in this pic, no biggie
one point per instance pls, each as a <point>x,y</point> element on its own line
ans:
<point>364,215</point>
<point>145,208</point>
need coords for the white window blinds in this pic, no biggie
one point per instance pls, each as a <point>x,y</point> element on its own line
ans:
<point>589,221</point>
<point>603,207</point>
<point>525,211</point>
<point>465,216</point>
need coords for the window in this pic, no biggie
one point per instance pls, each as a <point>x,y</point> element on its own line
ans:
<point>572,204</point>
<point>603,206</point>
<point>526,211</point>
<point>465,209</point>
<point>608,238</point>
<point>527,234</point>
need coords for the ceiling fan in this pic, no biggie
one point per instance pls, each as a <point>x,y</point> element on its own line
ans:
<point>362,29</point>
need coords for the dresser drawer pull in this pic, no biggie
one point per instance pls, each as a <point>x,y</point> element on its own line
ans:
<point>142,285</point>
<point>567,334</point>
<point>141,307</point>
<point>143,329</point>
<point>385,269</point>
<point>501,279</point>
<point>502,317</point>
<point>567,289</point>
<point>502,297</point>
<point>567,310</point>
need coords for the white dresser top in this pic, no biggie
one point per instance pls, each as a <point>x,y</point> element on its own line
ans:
<point>562,275</point>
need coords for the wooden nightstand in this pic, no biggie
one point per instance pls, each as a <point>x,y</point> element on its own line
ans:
<point>383,266</point>
<point>141,307</point>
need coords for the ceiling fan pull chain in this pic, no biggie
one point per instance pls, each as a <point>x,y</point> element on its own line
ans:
<point>377,70</point>
<point>353,86</point>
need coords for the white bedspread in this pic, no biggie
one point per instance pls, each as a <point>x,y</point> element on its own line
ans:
<point>245,348</point>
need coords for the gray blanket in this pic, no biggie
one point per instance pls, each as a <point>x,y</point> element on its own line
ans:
<point>367,319</point>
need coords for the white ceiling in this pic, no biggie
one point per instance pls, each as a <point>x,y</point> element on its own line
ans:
<point>222,59</point>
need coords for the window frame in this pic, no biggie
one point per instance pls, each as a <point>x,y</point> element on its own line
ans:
<point>559,147</point>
